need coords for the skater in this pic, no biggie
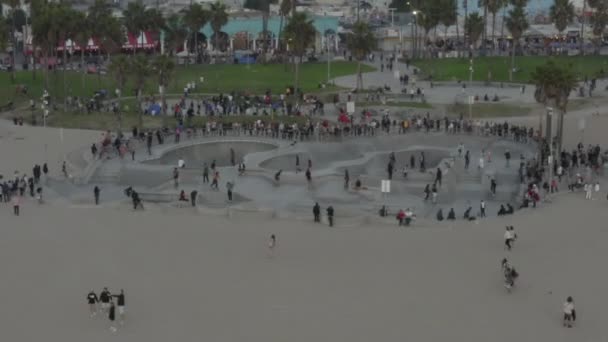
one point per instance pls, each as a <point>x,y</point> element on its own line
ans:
<point>92,301</point>
<point>96,192</point>
<point>330,215</point>
<point>467,160</point>
<point>277,176</point>
<point>272,243</point>
<point>434,191</point>
<point>569,312</point>
<point>346,179</point>
<point>120,302</point>
<point>215,182</point>
<point>438,177</point>
<point>193,196</point>
<point>482,209</point>
<point>229,187</point>
<point>316,211</point>
<point>175,178</point>
<point>308,176</point>
<point>205,173</point>
<point>427,192</point>
<point>298,169</point>
<point>509,274</point>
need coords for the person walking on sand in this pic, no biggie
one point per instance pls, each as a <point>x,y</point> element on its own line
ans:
<point>105,297</point>
<point>92,301</point>
<point>96,192</point>
<point>16,199</point>
<point>510,237</point>
<point>120,303</point>
<point>569,312</point>
<point>316,211</point>
<point>112,316</point>
<point>330,215</point>
<point>175,178</point>
<point>272,243</point>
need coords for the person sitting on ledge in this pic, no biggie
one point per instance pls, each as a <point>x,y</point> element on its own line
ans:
<point>358,184</point>
<point>181,164</point>
<point>241,169</point>
<point>502,211</point>
<point>510,209</point>
<point>467,214</point>
<point>451,214</point>
<point>401,216</point>
<point>440,215</point>
<point>182,196</point>
<point>383,211</point>
<point>277,176</point>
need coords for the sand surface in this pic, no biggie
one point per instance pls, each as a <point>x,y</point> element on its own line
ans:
<point>195,277</point>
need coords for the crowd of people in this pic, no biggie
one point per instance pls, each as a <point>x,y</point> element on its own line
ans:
<point>105,305</point>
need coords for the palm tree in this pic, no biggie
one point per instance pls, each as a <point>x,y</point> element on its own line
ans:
<point>361,42</point>
<point>599,20</point>
<point>284,10</point>
<point>428,18</point>
<point>140,71</point>
<point>14,5</point>
<point>494,7</point>
<point>448,16</point>
<point>195,17</point>
<point>218,17</point>
<point>163,67</point>
<point>120,67</point>
<point>517,24</point>
<point>300,33</point>
<point>81,37</point>
<point>175,33</point>
<point>562,14</point>
<point>4,33</point>
<point>135,19</point>
<point>553,86</point>
<point>474,28</point>
<point>105,27</point>
<point>264,7</point>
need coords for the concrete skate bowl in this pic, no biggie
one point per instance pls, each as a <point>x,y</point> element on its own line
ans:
<point>322,155</point>
<point>196,155</point>
<point>377,165</point>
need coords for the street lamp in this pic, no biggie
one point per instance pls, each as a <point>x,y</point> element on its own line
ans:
<point>415,34</point>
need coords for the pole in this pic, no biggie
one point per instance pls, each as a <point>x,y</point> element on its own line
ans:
<point>358,8</point>
<point>470,72</point>
<point>328,59</point>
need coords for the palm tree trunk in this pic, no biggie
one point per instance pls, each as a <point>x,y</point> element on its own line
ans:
<point>582,42</point>
<point>13,71</point>
<point>359,77</point>
<point>457,40</point>
<point>141,112</point>
<point>512,60</point>
<point>280,31</point>
<point>195,48</point>
<point>297,75</point>
<point>502,23</point>
<point>264,33</point>
<point>84,70</point>
<point>484,34</point>
<point>494,45</point>
<point>560,130</point>
<point>65,84</point>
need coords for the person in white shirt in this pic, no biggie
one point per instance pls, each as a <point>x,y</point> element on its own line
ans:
<point>181,164</point>
<point>510,237</point>
<point>588,191</point>
<point>569,312</point>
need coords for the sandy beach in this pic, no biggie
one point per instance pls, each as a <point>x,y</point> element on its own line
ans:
<point>191,277</point>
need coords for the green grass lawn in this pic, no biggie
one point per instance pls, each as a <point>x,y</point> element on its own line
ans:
<point>421,105</point>
<point>217,78</point>
<point>488,110</point>
<point>458,69</point>
<point>109,121</point>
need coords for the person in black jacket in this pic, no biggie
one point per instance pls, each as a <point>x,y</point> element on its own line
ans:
<point>96,192</point>
<point>120,302</point>
<point>330,215</point>
<point>316,211</point>
<point>92,301</point>
<point>112,316</point>
<point>105,298</point>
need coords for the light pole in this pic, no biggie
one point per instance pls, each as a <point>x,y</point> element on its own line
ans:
<point>550,158</point>
<point>415,50</point>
